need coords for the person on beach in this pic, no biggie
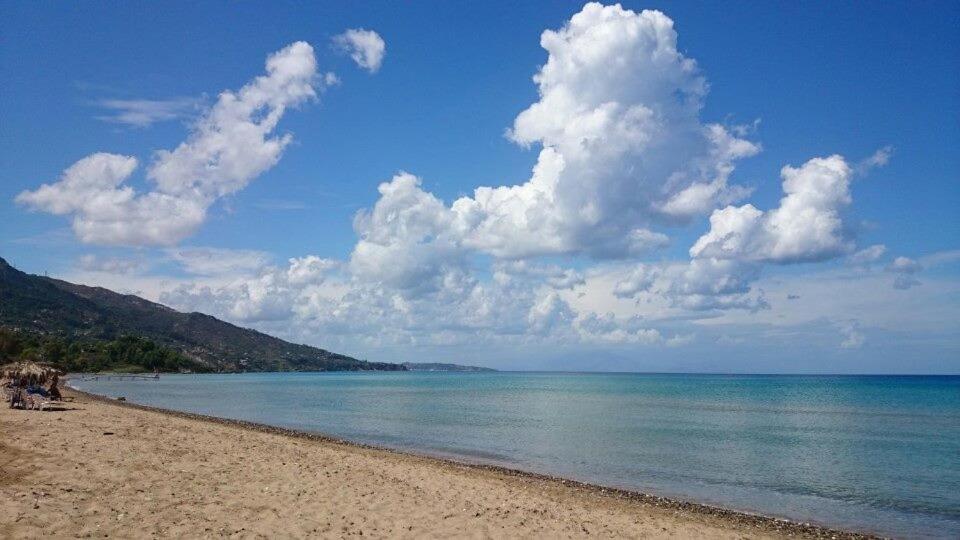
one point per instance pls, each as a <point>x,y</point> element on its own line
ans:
<point>53,392</point>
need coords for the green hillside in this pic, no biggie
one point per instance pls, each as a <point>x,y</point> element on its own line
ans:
<point>40,309</point>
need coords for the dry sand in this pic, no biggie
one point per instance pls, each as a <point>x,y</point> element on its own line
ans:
<point>100,468</point>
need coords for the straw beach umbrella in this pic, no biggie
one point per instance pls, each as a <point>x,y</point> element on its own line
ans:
<point>31,373</point>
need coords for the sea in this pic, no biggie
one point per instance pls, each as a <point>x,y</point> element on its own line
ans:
<point>876,454</point>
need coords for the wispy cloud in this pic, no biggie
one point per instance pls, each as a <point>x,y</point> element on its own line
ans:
<point>62,236</point>
<point>112,265</point>
<point>232,143</point>
<point>853,338</point>
<point>280,204</point>
<point>143,113</point>
<point>878,159</point>
<point>208,261</point>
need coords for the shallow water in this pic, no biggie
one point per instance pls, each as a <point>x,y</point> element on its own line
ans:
<point>875,453</point>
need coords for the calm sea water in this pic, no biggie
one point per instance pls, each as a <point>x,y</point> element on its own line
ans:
<point>877,453</point>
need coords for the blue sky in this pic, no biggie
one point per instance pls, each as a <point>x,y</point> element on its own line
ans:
<point>420,276</point>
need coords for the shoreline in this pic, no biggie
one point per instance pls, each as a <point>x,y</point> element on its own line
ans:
<point>754,522</point>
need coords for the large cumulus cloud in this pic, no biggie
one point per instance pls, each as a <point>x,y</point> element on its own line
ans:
<point>623,157</point>
<point>622,149</point>
<point>806,226</point>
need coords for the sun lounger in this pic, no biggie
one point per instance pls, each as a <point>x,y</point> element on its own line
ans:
<point>41,402</point>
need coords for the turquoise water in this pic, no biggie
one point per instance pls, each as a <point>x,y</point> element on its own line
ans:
<point>879,454</point>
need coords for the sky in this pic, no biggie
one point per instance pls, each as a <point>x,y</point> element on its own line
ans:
<point>675,186</point>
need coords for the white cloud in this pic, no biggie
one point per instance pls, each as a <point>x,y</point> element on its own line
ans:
<point>623,154</point>
<point>331,79</point>
<point>107,212</point>
<point>280,204</point>
<point>97,174</point>
<point>807,225</point>
<point>146,112</point>
<point>679,340</point>
<point>243,300</point>
<point>699,285</point>
<point>521,308</point>
<point>853,338</point>
<point>608,328</point>
<point>640,279</point>
<point>835,293</point>
<point>407,240</point>
<point>623,151</point>
<point>246,289</point>
<point>710,284</point>
<point>521,304</point>
<point>547,313</point>
<point>552,275</point>
<point>905,265</point>
<point>309,270</point>
<point>208,261</point>
<point>940,258</point>
<point>878,159</point>
<point>112,265</point>
<point>623,148</point>
<point>365,47</point>
<point>228,147</point>
<point>905,270</point>
<point>231,145</point>
<point>867,255</point>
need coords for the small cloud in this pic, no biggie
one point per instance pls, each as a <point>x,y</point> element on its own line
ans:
<point>904,282</point>
<point>330,79</point>
<point>143,113</point>
<point>905,269</point>
<point>744,130</point>
<point>208,261</point>
<point>280,204</point>
<point>730,340</point>
<point>940,258</point>
<point>365,47</point>
<point>111,265</point>
<point>853,338</point>
<point>867,255</point>
<point>793,297</point>
<point>878,159</point>
<point>51,238</point>
<point>680,340</point>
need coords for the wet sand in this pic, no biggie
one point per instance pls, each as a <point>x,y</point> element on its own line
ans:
<point>102,468</point>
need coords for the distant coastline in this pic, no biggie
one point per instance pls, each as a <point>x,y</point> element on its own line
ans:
<point>436,366</point>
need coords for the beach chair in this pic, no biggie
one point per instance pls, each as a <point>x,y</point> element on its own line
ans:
<point>14,398</point>
<point>39,402</point>
<point>29,401</point>
<point>6,395</point>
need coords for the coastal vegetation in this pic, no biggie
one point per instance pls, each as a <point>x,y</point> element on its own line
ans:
<point>124,354</point>
<point>108,328</point>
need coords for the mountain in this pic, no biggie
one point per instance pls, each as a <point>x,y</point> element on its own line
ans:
<point>433,366</point>
<point>37,304</point>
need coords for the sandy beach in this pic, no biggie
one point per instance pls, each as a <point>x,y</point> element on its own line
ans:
<point>102,468</point>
